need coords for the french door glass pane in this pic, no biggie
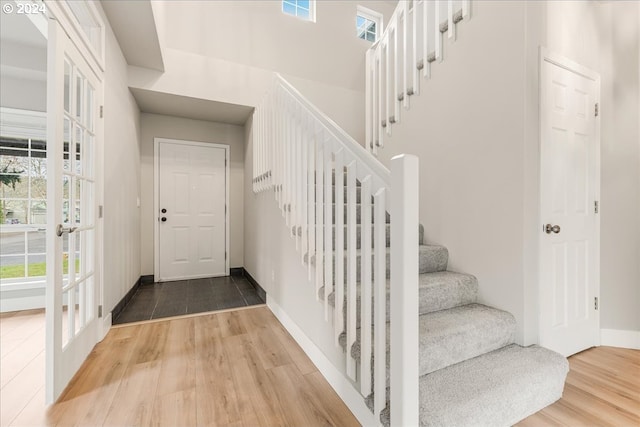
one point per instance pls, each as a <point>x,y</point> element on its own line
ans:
<point>79,145</point>
<point>66,320</point>
<point>65,254</point>
<point>67,86</point>
<point>79,96</point>
<point>66,144</point>
<point>79,310</point>
<point>88,155</point>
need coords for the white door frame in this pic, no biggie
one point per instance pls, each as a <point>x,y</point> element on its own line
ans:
<point>156,196</point>
<point>561,61</point>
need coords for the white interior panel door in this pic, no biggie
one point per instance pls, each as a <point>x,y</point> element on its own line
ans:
<point>192,210</point>
<point>72,263</point>
<point>569,247</point>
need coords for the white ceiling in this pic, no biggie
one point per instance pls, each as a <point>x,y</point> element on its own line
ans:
<point>190,108</point>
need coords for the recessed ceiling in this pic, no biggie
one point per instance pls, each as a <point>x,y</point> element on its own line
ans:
<point>190,108</point>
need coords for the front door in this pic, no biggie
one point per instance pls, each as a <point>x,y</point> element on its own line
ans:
<point>72,263</point>
<point>192,200</point>
<point>569,258</point>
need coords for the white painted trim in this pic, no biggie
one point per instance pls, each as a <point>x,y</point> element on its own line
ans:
<point>105,326</point>
<point>62,12</point>
<point>338,381</point>
<point>620,338</point>
<point>156,198</point>
<point>561,61</point>
<point>13,303</point>
<point>371,15</point>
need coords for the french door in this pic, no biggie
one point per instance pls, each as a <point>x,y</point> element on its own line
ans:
<point>72,264</point>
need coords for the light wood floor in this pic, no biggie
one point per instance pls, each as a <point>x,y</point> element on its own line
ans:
<point>602,389</point>
<point>242,368</point>
<point>238,368</point>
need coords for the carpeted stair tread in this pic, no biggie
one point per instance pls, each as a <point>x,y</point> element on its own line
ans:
<point>437,291</point>
<point>451,336</point>
<point>496,389</point>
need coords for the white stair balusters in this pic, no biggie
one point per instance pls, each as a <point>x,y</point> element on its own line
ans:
<point>320,177</point>
<point>411,42</point>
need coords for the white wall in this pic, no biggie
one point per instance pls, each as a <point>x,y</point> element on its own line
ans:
<point>121,179</point>
<point>159,126</point>
<point>324,60</point>
<point>466,127</point>
<point>258,34</point>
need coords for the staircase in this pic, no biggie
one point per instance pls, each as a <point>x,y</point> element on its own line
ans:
<point>448,360</point>
<point>471,372</point>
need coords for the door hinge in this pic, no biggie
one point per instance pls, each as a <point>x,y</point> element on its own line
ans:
<point>596,207</point>
<point>99,311</point>
<point>595,303</point>
<point>225,256</point>
<point>101,111</point>
<point>597,109</point>
<point>100,207</point>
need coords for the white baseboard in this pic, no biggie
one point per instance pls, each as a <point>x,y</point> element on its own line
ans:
<point>337,380</point>
<point>21,303</point>
<point>106,326</point>
<point>620,338</point>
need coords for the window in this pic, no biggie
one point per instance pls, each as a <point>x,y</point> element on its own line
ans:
<point>23,207</point>
<point>368,24</point>
<point>303,9</point>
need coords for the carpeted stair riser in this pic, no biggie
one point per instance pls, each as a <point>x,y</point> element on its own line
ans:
<point>446,289</point>
<point>345,214</point>
<point>459,289</point>
<point>451,336</point>
<point>333,178</point>
<point>496,389</point>
<point>431,259</point>
<point>359,234</point>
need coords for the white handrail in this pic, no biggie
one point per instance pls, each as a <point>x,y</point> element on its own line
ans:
<point>320,177</point>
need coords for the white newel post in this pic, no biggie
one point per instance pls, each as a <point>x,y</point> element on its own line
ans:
<point>405,406</point>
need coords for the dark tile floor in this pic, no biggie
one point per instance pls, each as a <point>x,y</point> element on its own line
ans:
<point>168,299</point>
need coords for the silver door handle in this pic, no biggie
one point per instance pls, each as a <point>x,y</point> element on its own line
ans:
<point>60,230</point>
<point>551,228</point>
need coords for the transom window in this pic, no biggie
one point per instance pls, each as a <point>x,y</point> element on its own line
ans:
<point>368,24</point>
<point>303,9</point>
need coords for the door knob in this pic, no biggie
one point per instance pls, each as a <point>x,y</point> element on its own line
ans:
<point>551,228</point>
<point>60,230</point>
<point>163,210</point>
<point>163,219</point>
